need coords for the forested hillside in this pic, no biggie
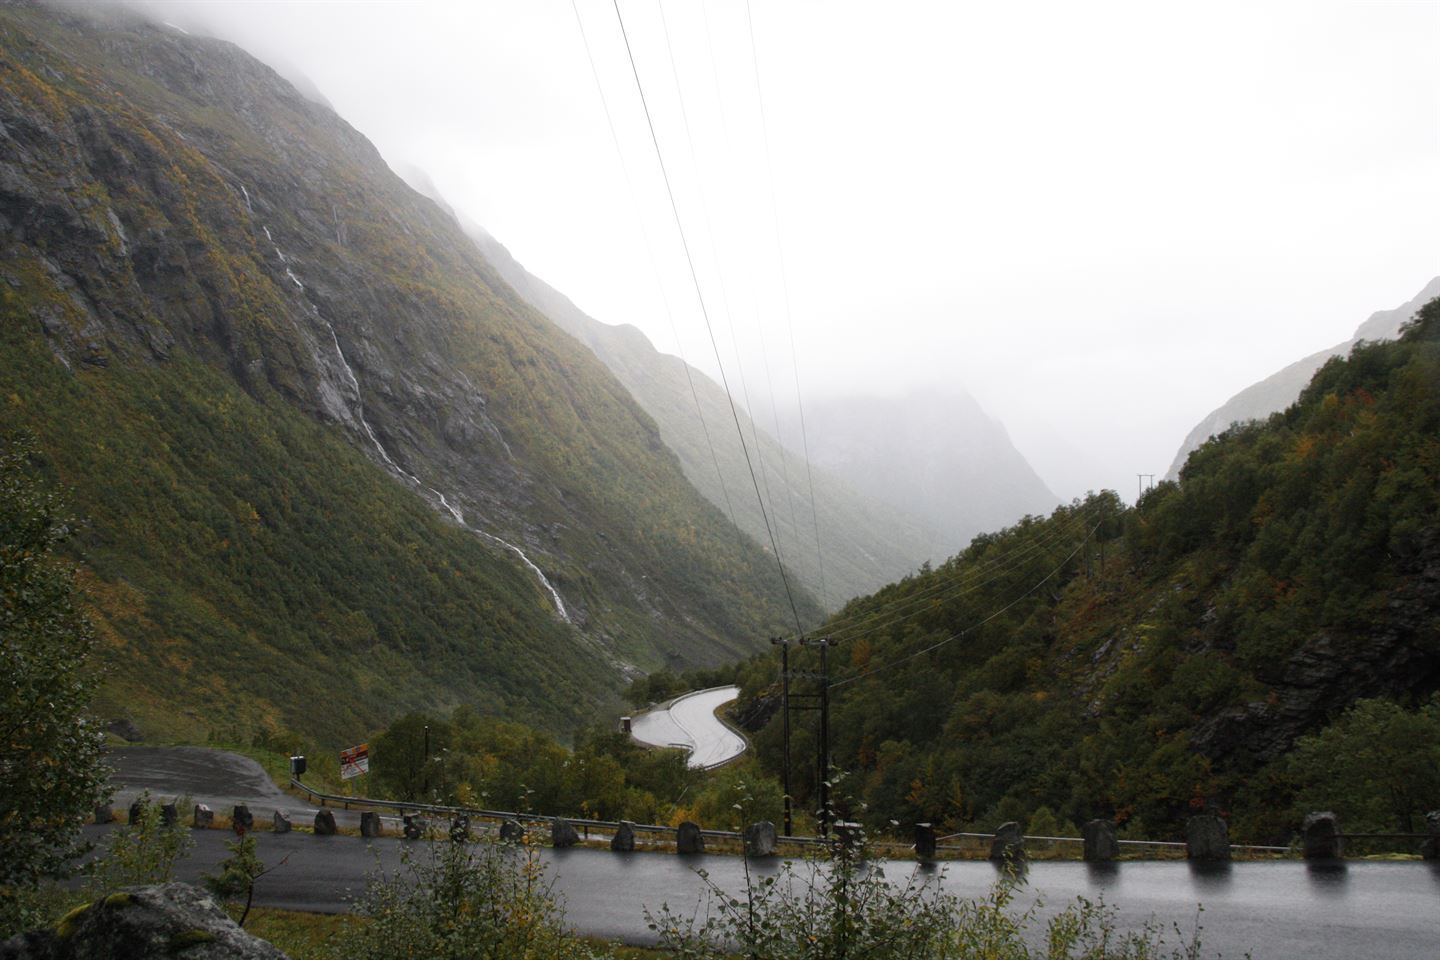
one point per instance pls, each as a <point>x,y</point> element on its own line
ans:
<point>1148,663</point>
<point>323,451</point>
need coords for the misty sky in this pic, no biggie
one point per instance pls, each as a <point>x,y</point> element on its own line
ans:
<point>1102,220</point>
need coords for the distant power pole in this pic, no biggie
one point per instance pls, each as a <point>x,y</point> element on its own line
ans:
<point>784,646</point>
<point>1140,486</point>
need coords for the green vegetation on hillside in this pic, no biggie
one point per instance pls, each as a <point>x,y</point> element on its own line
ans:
<point>250,565</point>
<point>1149,663</point>
<point>207,282</point>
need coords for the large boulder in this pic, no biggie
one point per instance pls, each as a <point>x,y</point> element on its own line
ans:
<point>1430,849</point>
<point>1207,837</point>
<point>1100,842</point>
<point>760,839</point>
<point>143,923</point>
<point>624,839</point>
<point>563,833</point>
<point>688,838</point>
<point>324,823</point>
<point>925,841</point>
<point>1322,837</point>
<point>1009,842</point>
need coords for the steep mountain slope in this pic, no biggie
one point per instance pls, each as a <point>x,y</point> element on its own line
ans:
<point>1279,390</point>
<point>1152,662</point>
<point>936,455</point>
<point>864,543</point>
<point>253,352</point>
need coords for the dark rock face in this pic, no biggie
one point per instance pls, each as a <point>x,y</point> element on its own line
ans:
<point>1100,842</point>
<point>511,831</point>
<point>241,818</point>
<point>1430,849</point>
<point>1207,837</point>
<point>204,817</point>
<point>104,814</point>
<point>760,839</point>
<point>1322,840</point>
<point>688,838</point>
<point>324,823</point>
<point>370,824</point>
<point>460,829</point>
<point>144,923</point>
<point>563,833</point>
<point>137,810</point>
<point>281,822</point>
<point>414,826</point>
<point>624,839</point>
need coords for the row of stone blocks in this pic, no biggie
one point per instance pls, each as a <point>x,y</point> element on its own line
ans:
<point>1207,837</point>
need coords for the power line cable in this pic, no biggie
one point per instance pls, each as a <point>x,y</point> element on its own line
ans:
<point>864,629</point>
<point>720,279</point>
<point>970,629</point>
<point>785,288</point>
<point>654,266</point>
<point>965,581</point>
<point>705,312</point>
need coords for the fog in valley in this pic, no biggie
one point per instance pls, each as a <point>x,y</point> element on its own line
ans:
<point>1100,222</point>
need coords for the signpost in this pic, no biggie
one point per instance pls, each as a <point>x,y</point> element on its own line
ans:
<point>354,761</point>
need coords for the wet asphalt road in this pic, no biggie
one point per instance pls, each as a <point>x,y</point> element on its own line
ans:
<point>1277,909</point>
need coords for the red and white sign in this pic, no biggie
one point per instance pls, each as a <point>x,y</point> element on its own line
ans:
<point>354,761</point>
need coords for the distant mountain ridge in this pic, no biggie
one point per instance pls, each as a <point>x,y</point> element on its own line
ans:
<point>935,454</point>
<point>865,543</point>
<point>324,450</point>
<point>1280,389</point>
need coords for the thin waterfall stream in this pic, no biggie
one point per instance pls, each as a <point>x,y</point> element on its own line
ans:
<point>390,462</point>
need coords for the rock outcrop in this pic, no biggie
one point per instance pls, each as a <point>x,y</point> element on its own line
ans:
<point>144,923</point>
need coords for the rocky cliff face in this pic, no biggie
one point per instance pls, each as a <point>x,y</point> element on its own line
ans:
<point>1280,389</point>
<point>168,200</point>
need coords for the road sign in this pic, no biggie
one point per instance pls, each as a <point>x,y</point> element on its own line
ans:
<point>354,761</point>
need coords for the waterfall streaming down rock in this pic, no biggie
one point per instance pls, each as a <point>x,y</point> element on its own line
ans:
<point>443,501</point>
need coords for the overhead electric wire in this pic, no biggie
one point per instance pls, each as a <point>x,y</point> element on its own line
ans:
<point>654,265</point>
<point>911,607</point>
<point>967,581</point>
<point>784,285</point>
<point>973,627</point>
<point>725,303</point>
<point>704,311</point>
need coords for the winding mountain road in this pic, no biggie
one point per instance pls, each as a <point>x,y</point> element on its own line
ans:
<point>689,723</point>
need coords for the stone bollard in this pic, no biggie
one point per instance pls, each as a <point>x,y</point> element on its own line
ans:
<point>1207,837</point>
<point>460,829</point>
<point>512,831</point>
<point>624,839</point>
<point>688,838</point>
<point>1100,843</point>
<point>204,817</point>
<point>760,839</point>
<point>414,827</point>
<point>242,818</point>
<point>563,833</point>
<point>137,810</point>
<point>104,813</point>
<point>1322,837</point>
<point>370,825</point>
<point>324,823</point>
<point>281,822</point>
<point>1430,848</point>
<point>849,835</point>
<point>169,814</point>
<point>1009,842</point>
<point>925,841</point>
